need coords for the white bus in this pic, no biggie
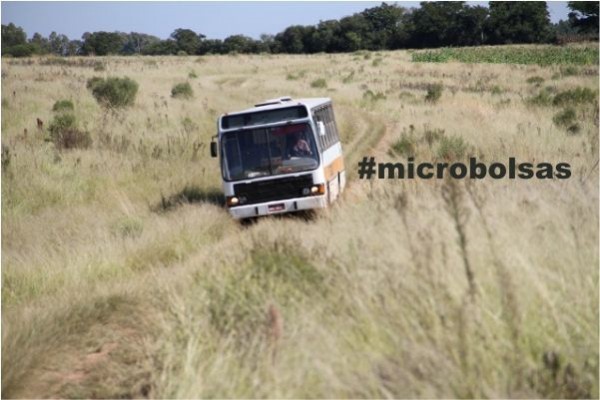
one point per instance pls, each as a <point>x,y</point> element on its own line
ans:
<point>280,156</point>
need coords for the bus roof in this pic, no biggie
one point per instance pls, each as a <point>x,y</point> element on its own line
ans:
<point>274,104</point>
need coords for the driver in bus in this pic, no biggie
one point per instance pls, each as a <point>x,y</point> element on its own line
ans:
<point>300,147</point>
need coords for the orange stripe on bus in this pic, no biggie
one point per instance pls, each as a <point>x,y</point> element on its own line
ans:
<point>334,167</point>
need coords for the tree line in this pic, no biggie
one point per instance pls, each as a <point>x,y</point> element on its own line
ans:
<point>384,27</point>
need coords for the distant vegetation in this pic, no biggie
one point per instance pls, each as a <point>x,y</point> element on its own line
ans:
<point>512,55</point>
<point>385,27</point>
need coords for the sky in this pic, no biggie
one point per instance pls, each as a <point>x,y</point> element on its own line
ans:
<point>216,20</point>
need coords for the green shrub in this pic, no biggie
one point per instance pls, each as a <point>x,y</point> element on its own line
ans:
<point>543,98</point>
<point>405,146</point>
<point>376,62</point>
<point>319,83</point>
<point>65,134</point>
<point>92,82</point>
<point>192,75</point>
<point>62,122</point>
<point>189,126</point>
<point>5,157</point>
<point>452,147</point>
<point>575,96</point>
<point>19,50</point>
<point>369,95</point>
<point>535,80</point>
<point>569,71</point>
<point>574,129</point>
<point>113,92</point>
<point>433,135</point>
<point>182,91</point>
<point>434,92</point>
<point>565,118</point>
<point>63,105</point>
<point>496,90</point>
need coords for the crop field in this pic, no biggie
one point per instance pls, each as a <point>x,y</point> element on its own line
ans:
<point>546,55</point>
<point>124,276</point>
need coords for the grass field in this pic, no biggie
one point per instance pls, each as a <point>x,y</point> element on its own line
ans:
<point>123,275</point>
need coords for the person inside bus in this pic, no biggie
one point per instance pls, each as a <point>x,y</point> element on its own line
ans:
<point>300,147</point>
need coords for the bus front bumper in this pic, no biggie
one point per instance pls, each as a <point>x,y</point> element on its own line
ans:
<point>278,207</point>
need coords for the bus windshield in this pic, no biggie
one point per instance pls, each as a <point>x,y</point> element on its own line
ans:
<point>253,153</point>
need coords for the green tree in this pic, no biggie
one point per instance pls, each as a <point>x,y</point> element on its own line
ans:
<point>14,41</point>
<point>385,23</point>
<point>240,44</point>
<point>437,24</point>
<point>292,39</point>
<point>136,43</point>
<point>162,47</point>
<point>74,47</point>
<point>58,44</point>
<point>267,43</point>
<point>102,43</point>
<point>40,44</point>
<point>326,37</point>
<point>471,25</point>
<point>584,16</point>
<point>355,33</point>
<point>20,50</point>
<point>13,35</point>
<point>187,40</point>
<point>212,46</point>
<point>518,22</point>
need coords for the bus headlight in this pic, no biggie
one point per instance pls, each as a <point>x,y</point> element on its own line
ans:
<point>232,201</point>
<point>236,201</point>
<point>318,189</point>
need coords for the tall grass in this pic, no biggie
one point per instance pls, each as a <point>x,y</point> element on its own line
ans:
<point>124,276</point>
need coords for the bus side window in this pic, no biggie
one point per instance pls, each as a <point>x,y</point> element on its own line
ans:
<point>323,118</point>
<point>330,139</point>
<point>325,115</point>
<point>318,117</point>
<point>336,137</point>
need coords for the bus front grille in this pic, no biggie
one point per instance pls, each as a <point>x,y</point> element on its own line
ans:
<point>272,190</point>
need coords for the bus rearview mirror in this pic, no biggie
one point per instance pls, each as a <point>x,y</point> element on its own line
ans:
<point>321,127</point>
<point>213,149</point>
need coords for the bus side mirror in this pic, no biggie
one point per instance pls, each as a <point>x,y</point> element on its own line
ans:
<point>321,128</point>
<point>213,148</point>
